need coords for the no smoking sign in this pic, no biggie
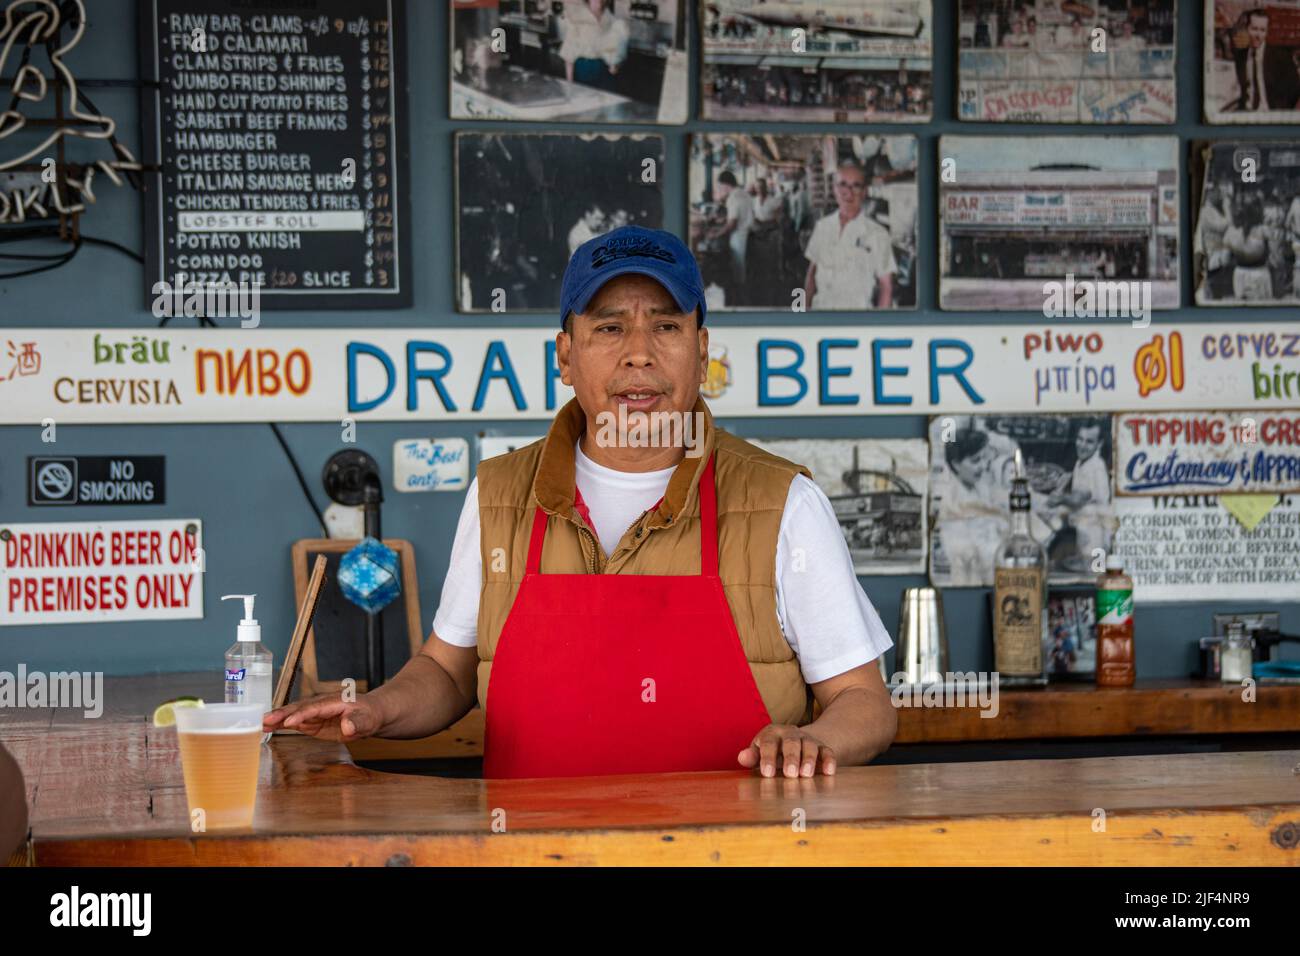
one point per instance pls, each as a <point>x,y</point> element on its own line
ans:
<point>96,480</point>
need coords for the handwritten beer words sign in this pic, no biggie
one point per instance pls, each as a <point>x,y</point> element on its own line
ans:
<point>76,572</point>
<point>1240,452</point>
<point>431,464</point>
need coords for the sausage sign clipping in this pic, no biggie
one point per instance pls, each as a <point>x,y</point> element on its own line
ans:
<point>80,572</point>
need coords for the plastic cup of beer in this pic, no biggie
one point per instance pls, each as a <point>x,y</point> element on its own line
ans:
<point>221,745</point>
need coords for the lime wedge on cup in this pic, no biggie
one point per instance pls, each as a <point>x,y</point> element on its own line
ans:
<point>165,714</point>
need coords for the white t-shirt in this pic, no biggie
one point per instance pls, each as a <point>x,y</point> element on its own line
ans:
<point>586,36</point>
<point>615,499</point>
<point>740,207</point>
<point>823,611</point>
<point>849,260</point>
<point>766,210</point>
<point>1091,476</point>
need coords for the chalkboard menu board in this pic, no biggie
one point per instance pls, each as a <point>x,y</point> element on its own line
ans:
<point>280,130</point>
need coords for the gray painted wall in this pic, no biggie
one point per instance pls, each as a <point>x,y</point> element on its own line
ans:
<point>237,480</point>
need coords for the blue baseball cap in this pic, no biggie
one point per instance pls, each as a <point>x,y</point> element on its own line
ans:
<point>632,250</point>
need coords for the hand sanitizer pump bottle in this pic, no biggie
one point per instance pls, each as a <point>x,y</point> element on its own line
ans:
<point>248,662</point>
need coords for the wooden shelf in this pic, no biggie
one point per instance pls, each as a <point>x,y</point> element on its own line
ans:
<point>1151,707</point>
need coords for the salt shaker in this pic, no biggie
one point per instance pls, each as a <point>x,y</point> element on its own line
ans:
<point>1235,657</point>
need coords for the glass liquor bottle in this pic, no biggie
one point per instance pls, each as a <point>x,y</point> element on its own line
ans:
<point>1019,595</point>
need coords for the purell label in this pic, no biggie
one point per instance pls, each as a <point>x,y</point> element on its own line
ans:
<point>235,674</point>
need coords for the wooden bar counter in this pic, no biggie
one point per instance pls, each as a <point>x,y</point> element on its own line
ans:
<point>110,792</point>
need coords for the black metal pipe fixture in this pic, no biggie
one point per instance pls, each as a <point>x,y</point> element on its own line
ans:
<point>351,478</point>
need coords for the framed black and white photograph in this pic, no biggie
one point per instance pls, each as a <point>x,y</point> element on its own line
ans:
<point>842,61</point>
<point>1252,61</point>
<point>1070,647</point>
<point>1246,241</point>
<point>1068,464</point>
<point>588,61</point>
<point>1022,216</point>
<point>526,201</point>
<point>1067,61</point>
<point>877,488</point>
<point>804,223</point>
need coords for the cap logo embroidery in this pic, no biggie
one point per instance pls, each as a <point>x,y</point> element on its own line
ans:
<point>617,249</point>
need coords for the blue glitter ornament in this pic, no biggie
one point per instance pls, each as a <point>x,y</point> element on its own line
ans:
<point>369,576</point>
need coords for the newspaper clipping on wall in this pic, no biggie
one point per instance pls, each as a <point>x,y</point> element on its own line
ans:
<point>804,223</point>
<point>590,61</point>
<point>1190,548</point>
<point>526,201</point>
<point>1191,453</point>
<point>1252,61</point>
<point>1028,223</point>
<point>1246,243</point>
<point>1068,466</point>
<point>1061,61</point>
<point>841,61</point>
<point>877,488</point>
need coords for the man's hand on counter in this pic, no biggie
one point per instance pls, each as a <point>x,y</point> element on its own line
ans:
<point>857,722</point>
<point>328,717</point>
<point>798,752</point>
<point>432,691</point>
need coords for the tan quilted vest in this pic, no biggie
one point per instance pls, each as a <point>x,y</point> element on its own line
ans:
<point>752,487</point>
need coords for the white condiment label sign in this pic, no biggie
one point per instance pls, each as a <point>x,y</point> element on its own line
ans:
<point>431,464</point>
<point>80,572</point>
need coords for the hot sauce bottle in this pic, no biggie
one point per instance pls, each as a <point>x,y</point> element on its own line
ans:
<point>1115,654</point>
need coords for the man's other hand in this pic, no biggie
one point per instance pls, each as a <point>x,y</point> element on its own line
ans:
<point>328,717</point>
<point>798,752</point>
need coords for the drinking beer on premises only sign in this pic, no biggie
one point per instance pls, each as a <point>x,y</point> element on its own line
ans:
<point>60,573</point>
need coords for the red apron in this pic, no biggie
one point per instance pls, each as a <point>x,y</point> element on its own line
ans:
<point>570,692</point>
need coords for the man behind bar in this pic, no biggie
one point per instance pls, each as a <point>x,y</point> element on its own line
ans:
<point>623,607</point>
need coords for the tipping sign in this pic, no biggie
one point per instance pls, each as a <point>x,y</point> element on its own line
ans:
<point>1244,452</point>
<point>77,572</point>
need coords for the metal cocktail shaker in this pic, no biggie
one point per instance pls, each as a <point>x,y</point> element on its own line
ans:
<point>922,655</point>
